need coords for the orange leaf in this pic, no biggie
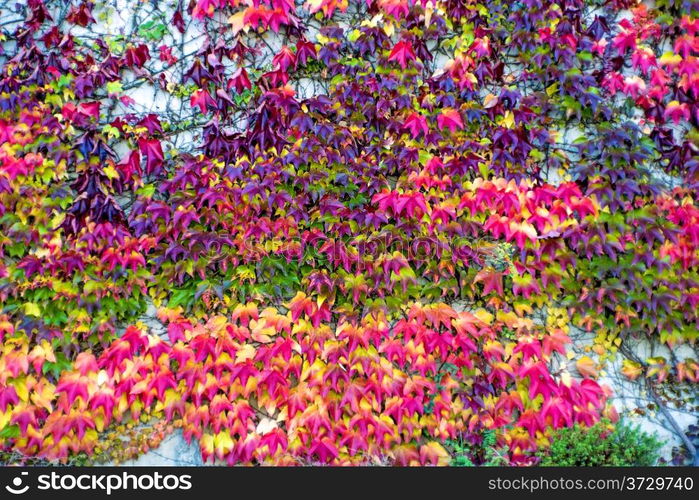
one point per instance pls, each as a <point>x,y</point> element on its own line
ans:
<point>587,367</point>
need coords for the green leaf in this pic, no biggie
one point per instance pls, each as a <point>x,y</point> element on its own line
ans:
<point>115,87</point>
<point>10,432</point>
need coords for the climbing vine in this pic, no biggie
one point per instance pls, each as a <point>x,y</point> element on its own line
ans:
<point>342,231</point>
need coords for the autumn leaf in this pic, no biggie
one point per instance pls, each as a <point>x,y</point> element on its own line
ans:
<point>450,119</point>
<point>153,151</point>
<point>631,369</point>
<point>490,101</point>
<point>402,53</point>
<point>416,124</point>
<point>433,453</point>
<point>587,367</point>
<point>492,281</point>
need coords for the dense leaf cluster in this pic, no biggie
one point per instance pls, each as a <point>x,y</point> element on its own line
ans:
<point>336,174</point>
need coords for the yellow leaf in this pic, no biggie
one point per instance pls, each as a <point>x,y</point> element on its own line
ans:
<point>207,444</point>
<point>490,101</point>
<point>508,121</point>
<point>631,369</point>
<point>31,309</point>
<point>587,367</point>
<point>21,388</point>
<point>217,324</point>
<point>429,10</point>
<point>600,350</point>
<point>484,316</point>
<point>5,417</point>
<point>237,22</point>
<point>223,444</point>
<point>373,22</point>
<point>434,453</point>
<point>57,220</point>
<point>99,422</point>
<point>669,59</point>
<point>171,397</point>
<point>389,29</point>
<point>110,172</point>
<point>522,308</point>
<point>247,351</point>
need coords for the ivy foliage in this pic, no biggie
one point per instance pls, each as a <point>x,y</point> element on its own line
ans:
<point>369,228</point>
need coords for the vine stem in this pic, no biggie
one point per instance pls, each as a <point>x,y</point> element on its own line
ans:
<point>691,449</point>
<point>675,426</point>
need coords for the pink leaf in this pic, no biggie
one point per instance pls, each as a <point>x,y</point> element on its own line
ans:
<point>451,119</point>
<point>402,53</point>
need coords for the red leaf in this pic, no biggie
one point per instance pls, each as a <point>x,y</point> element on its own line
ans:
<point>130,165</point>
<point>492,281</point>
<point>324,449</point>
<point>417,124</point>
<point>82,15</point>
<point>91,109</point>
<point>153,152</point>
<point>402,53</point>
<point>137,56</point>
<point>166,55</point>
<point>86,363</point>
<point>178,21</point>
<point>73,385</point>
<point>451,119</point>
<point>240,80</point>
<point>152,123</point>
<point>555,341</point>
<point>284,58</point>
<point>677,112</point>
<point>305,50</point>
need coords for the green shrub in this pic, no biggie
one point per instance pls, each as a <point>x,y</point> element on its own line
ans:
<point>604,444</point>
<point>487,453</point>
